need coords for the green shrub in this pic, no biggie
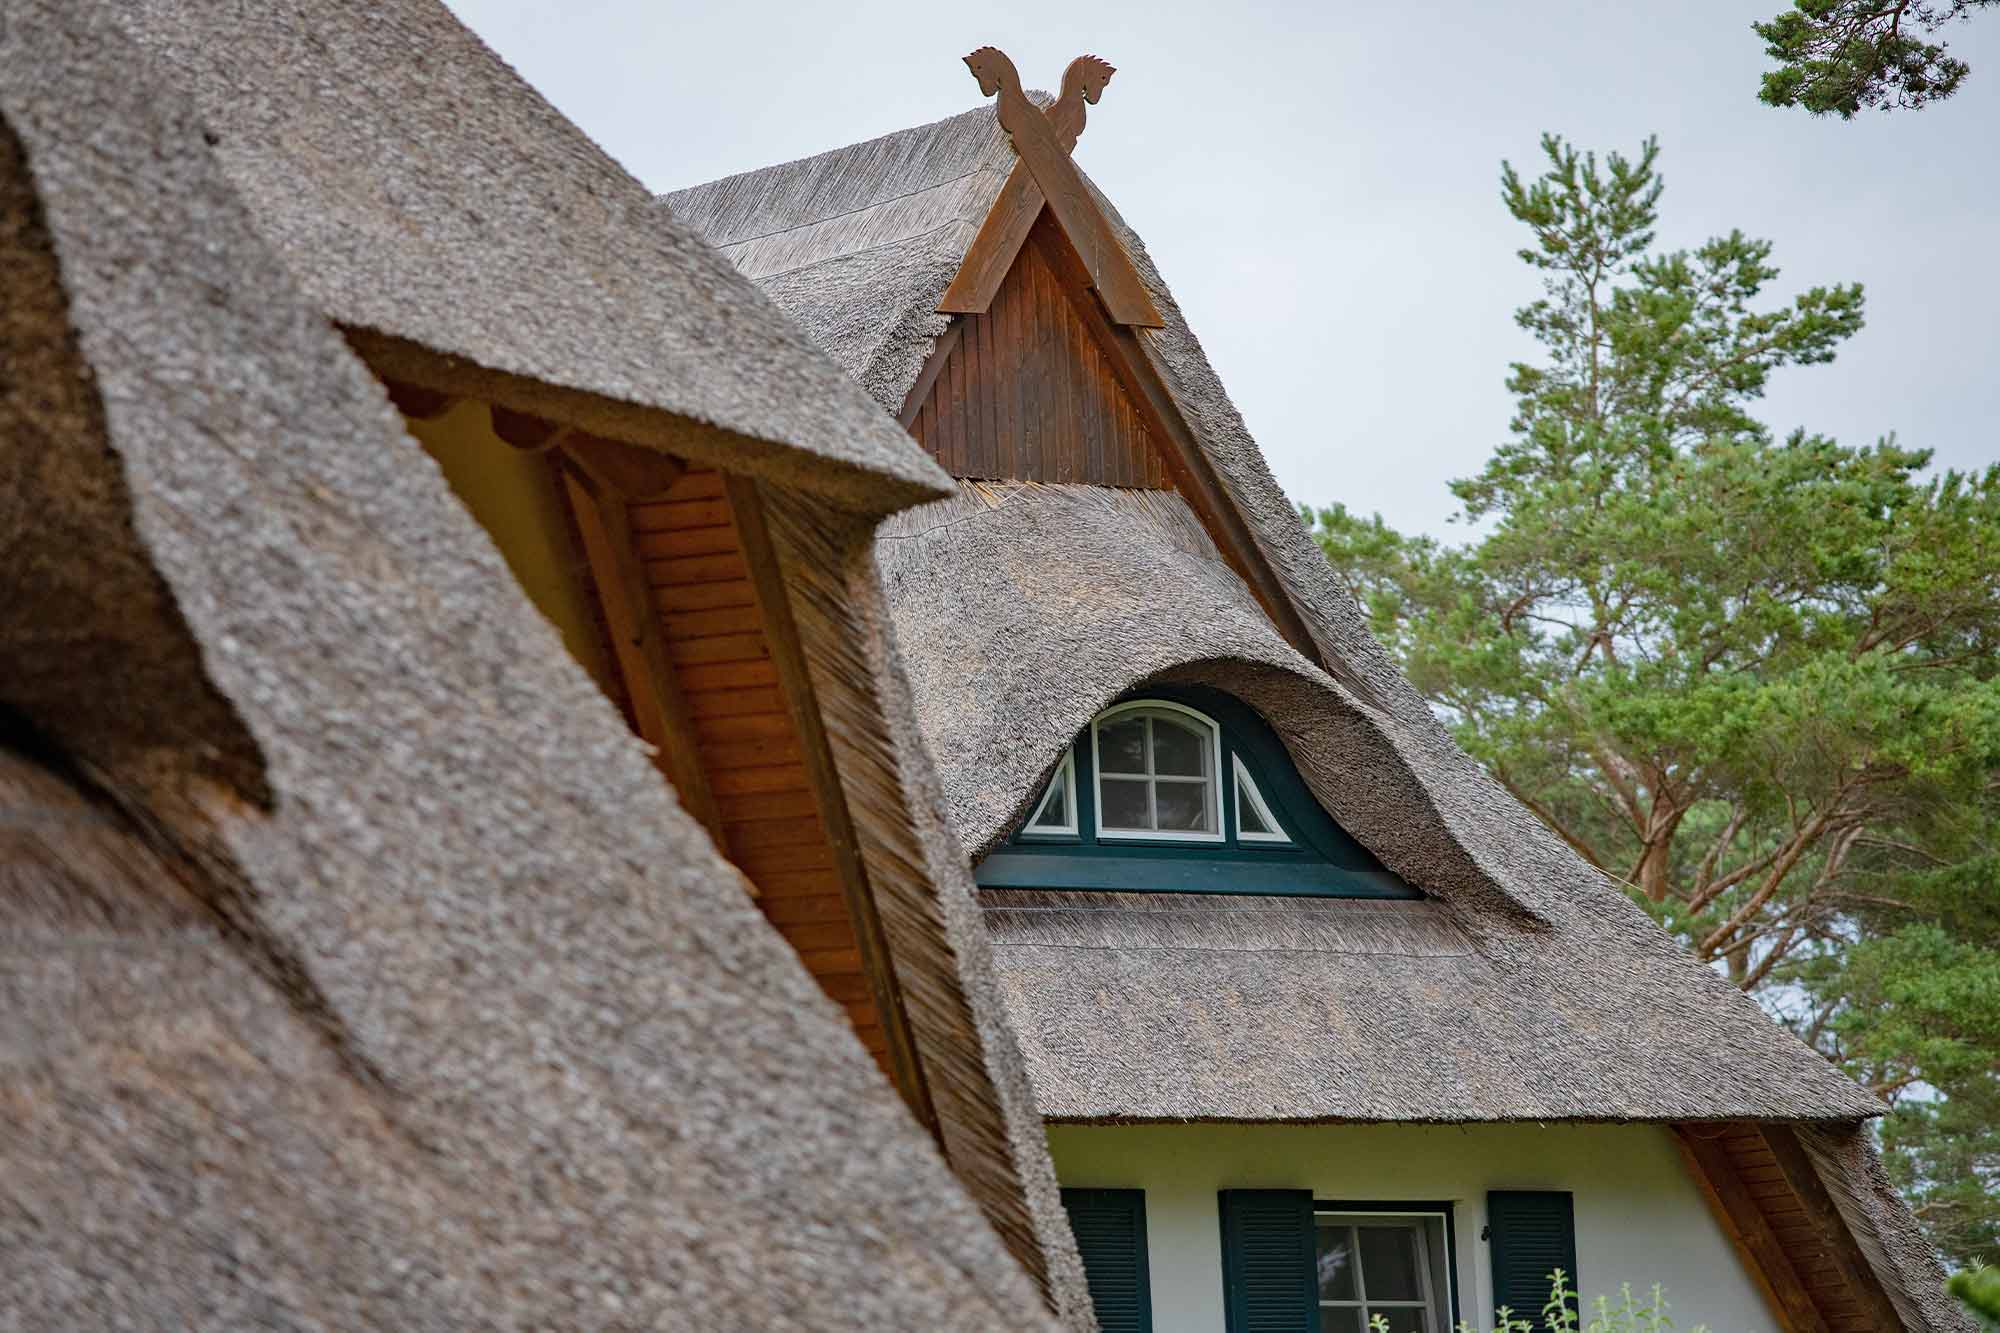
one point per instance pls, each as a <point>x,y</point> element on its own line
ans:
<point>1629,1314</point>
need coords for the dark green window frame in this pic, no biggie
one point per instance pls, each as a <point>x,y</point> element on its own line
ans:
<point>1319,860</point>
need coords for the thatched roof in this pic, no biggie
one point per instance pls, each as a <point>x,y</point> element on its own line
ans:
<point>1025,609</point>
<point>1525,986</point>
<point>426,199</point>
<point>1022,610</point>
<point>361,971</point>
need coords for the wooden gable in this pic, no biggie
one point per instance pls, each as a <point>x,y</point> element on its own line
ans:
<point>1026,391</point>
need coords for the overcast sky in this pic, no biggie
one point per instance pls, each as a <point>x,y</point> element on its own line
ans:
<point>1318,182</point>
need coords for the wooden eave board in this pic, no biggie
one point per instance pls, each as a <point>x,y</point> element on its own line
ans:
<point>1756,1179</point>
<point>716,644</point>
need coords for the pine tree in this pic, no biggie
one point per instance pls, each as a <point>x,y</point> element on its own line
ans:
<point>1756,681</point>
<point>1837,56</point>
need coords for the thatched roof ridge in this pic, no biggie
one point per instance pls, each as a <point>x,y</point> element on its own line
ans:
<point>420,192</point>
<point>403,994</point>
<point>858,244</point>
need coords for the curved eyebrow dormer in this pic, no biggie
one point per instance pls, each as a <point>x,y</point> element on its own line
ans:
<point>1183,790</point>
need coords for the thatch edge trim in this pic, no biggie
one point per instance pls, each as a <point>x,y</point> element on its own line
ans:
<point>971,1063</point>
<point>844,484</point>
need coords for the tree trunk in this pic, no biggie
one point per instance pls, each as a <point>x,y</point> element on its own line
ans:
<point>1656,855</point>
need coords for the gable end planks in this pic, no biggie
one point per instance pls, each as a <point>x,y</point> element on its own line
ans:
<point>1026,392</point>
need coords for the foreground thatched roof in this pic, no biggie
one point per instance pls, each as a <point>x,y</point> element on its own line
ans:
<point>1525,986</point>
<point>359,969</point>
<point>425,198</point>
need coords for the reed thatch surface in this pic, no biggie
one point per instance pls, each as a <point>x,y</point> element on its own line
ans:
<point>857,245</point>
<point>361,971</point>
<point>1025,609</point>
<point>416,187</point>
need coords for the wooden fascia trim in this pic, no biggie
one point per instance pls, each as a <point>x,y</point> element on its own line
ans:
<point>1837,1243</point>
<point>1050,179</point>
<point>658,707</point>
<point>781,631</point>
<point>992,253</point>
<point>1756,1245</point>
<point>941,351</point>
<point>1193,475</point>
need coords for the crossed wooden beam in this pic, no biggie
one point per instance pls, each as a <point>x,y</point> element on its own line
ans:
<point>1045,174</point>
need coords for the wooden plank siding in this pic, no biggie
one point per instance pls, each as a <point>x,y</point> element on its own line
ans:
<point>1026,392</point>
<point>1769,1202</point>
<point>714,636</point>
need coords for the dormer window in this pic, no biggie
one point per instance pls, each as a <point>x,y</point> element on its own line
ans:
<point>1183,790</point>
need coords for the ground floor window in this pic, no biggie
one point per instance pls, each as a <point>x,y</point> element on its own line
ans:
<point>1375,1263</point>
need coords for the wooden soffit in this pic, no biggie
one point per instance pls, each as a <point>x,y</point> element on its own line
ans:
<point>1770,1202</point>
<point>1044,174</point>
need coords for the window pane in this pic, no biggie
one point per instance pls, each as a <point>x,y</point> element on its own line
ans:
<point>1179,748</point>
<point>1247,818</point>
<point>1055,812</point>
<point>1406,1319</point>
<point>1389,1263</point>
<point>1336,1263</point>
<point>1121,745</point>
<point>1184,807</point>
<point>1124,804</point>
<point>1334,1319</point>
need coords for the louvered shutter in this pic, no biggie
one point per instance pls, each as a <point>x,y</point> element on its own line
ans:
<point>1110,1228</point>
<point>1533,1233</point>
<point>1270,1282</point>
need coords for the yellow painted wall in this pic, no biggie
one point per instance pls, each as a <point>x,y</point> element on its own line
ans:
<point>516,498</point>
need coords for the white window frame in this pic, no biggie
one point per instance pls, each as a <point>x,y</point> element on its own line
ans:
<point>1436,1305</point>
<point>1242,781</point>
<point>1066,774</point>
<point>1221,833</point>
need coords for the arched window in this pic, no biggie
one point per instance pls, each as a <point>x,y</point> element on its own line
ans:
<point>1157,765</point>
<point>1183,790</point>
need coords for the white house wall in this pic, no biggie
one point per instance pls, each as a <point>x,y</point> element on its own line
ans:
<point>1639,1218</point>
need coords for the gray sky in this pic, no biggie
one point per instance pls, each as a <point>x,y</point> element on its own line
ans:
<point>1319,184</point>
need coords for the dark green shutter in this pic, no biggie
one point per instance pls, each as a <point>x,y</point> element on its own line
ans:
<point>1269,1272</point>
<point>1110,1228</point>
<point>1533,1233</point>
